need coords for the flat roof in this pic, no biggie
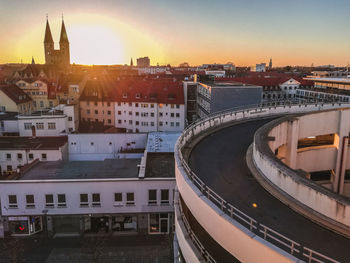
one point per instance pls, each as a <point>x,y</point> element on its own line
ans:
<point>8,116</point>
<point>109,168</point>
<point>333,80</point>
<point>32,143</point>
<point>160,165</point>
<point>162,141</point>
<point>229,85</point>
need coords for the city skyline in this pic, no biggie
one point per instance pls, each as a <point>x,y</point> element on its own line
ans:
<point>244,33</point>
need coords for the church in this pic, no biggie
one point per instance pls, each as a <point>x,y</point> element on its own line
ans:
<point>58,57</point>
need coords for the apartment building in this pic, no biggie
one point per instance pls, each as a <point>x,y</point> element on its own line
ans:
<point>13,99</point>
<point>18,152</point>
<point>66,198</point>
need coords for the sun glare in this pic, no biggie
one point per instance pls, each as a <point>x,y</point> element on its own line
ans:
<point>95,44</point>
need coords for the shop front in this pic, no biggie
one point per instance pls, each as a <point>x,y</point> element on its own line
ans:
<point>66,225</point>
<point>25,225</point>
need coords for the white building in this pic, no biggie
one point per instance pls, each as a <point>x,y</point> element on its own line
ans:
<point>19,152</point>
<point>114,196</point>
<point>61,120</point>
<point>8,123</point>
<point>106,146</point>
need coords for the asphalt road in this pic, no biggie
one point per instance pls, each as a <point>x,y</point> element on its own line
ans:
<point>219,160</point>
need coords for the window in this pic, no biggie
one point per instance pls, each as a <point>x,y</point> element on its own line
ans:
<point>109,112</point>
<point>160,123</point>
<point>88,111</point>
<point>177,106</point>
<point>130,199</point>
<point>108,104</point>
<point>92,143</point>
<point>177,115</point>
<point>158,223</point>
<point>152,197</point>
<point>19,156</point>
<point>51,126</point>
<point>118,199</point>
<point>96,111</point>
<point>84,201</point>
<point>40,125</point>
<point>96,200</point>
<point>61,200</point>
<point>43,156</point>
<point>130,121</point>
<point>49,201</point>
<point>27,126</point>
<point>152,114</point>
<point>172,124</point>
<point>172,115</point>
<point>152,105</point>
<point>137,113</point>
<point>137,123</point>
<point>41,104</point>
<point>30,201</point>
<point>30,156</point>
<point>13,201</point>
<point>177,124</point>
<point>109,121</point>
<point>152,123</point>
<point>119,112</point>
<point>172,106</point>
<point>70,118</point>
<point>95,103</point>
<point>164,196</point>
<point>8,156</point>
<point>136,105</point>
<point>130,112</point>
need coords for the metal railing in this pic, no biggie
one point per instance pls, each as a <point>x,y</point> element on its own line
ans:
<point>194,238</point>
<point>263,231</point>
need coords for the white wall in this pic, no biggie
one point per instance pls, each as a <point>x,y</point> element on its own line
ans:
<point>60,122</point>
<point>9,126</point>
<point>72,189</point>
<point>80,148</point>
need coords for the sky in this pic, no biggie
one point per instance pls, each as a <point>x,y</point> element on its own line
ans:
<point>245,32</point>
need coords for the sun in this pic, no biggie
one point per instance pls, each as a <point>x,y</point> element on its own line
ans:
<point>92,44</point>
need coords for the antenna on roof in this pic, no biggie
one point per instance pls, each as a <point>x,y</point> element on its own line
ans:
<point>47,16</point>
<point>62,16</point>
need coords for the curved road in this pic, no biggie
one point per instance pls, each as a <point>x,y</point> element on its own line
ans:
<point>219,160</point>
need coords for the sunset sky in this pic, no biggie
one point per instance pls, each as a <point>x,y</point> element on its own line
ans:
<point>245,32</point>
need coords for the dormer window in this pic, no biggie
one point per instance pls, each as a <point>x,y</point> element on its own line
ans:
<point>138,95</point>
<point>125,95</point>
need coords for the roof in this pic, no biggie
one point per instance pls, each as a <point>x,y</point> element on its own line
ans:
<point>330,80</point>
<point>48,36</point>
<point>109,168</point>
<point>63,37</point>
<point>167,91</point>
<point>160,165</point>
<point>8,116</point>
<point>37,143</point>
<point>162,141</point>
<point>16,94</point>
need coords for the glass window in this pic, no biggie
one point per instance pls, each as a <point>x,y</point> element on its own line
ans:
<point>30,201</point>
<point>8,156</point>
<point>40,125</point>
<point>154,223</point>
<point>19,156</point>
<point>118,199</point>
<point>49,200</point>
<point>43,156</point>
<point>27,126</point>
<point>61,200</point>
<point>51,126</point>
<point>96,201</point>
<point>13,201</point>
<point>84,201</point>
<point>164,199</point>
<point>130,199</point>
<point>152,197</point>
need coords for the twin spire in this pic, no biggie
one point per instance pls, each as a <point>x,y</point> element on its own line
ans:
<point>48,36</point>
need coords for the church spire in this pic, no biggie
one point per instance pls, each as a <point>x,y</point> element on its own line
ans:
<point>48,36</point>
<point>33,61</point>
<point>64,37</point>
<point>131,63</point>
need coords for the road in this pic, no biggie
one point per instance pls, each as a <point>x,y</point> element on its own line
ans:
<point>219,160</point>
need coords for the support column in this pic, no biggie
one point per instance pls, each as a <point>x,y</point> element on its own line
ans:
<point>342,149</point>
<point>292,143</point>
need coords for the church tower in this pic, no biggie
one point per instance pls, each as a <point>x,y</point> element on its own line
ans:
<point>64,46</point>
<point>48,44</point>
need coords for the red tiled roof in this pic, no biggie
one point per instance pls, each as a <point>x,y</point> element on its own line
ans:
<point>15,93</point>
<point>162,90</point>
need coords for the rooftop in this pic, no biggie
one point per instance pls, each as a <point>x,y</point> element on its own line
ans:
<point>107,169</point>
<point>331,80</point>
<point>160,165</point>
<point>37,143</point>
<point>15,94</point>
<point>8,116</point>
<point>162,141</point>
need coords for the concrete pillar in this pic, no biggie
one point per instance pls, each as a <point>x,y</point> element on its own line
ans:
<point>340,166</point>
<point>343,165</point>
<point>292,143</point>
